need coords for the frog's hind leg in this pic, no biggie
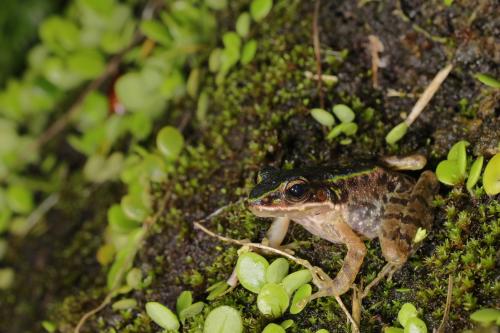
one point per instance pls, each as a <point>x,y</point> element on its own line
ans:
<point>405,212</point>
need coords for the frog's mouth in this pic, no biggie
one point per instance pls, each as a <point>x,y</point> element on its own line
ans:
<point>282,209</point>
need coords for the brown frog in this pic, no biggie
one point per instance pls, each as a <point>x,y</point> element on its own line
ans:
<point>349,205</point>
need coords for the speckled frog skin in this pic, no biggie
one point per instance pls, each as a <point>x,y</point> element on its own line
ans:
<point>347,206</point>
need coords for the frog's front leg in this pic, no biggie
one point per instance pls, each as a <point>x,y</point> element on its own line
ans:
<point>277,231</point>
<point>339,232</point>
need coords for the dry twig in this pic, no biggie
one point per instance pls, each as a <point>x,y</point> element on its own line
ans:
<point>375,46</point>
<point>317,53</point>
<point>447,307</point>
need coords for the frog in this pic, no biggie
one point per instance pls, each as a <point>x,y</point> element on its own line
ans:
<point>350,205</point>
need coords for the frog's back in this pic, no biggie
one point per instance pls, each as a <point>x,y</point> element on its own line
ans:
<point>364,194</point>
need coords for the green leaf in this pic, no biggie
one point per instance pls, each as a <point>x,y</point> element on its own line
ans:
<point>174,85</point>
<point>193,82</point>
<point>49,326</point>
<point>415,325</point>
<point>134,278</point>
<point>156,31</point>
<point>94,111</point>
<point>134,208</point>
<point>300,299</point>
<point>485,316</point>
<point>217,290</point>
<point>170,142</point>
<point>346,128</point>
<point>20,199</point>
<point>216,4</point>
<point>475,172</point>
<point>243,24</point>
<point>251,271</point>
<point>393,330</point>
<point>60,34</point>
<point>277,270</point>
<point>56,72</point>
<point>286,324</point>
<point>191,311</point>
<point>273,328</point>
<point>202,108</point>
<point>491,176</point>
<point>184,300</point>
<point>458,153</point>
<point>273,300</point>
<point>162,316</point>
<point>323,117</point>
<point>231,41</point>
<point>396,133</point>
<point>131,91</point>
<point>248,52</point>
<point>295,280</point>
<point>344,113</point>
<point>488,80</point>
<point>223,319</point>
<point>214,60</point>
<point>406,312</point>
<point>88,64</point>
<point>7,277</point>
<point>119,221</point>
<point>260,8</point>
<point>124,304</point>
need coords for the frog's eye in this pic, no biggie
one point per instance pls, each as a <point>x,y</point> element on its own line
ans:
<point>296,190</point>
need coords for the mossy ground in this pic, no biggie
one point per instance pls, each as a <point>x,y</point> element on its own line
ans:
<point>260,116</point>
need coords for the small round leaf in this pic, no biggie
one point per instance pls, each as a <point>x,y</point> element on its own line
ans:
<point>273,328</point>
<point>415,325</point>
<point>486,316</point>
<point>260,8</point>
<point>273,300</point>
<point>223,319</point>
<point>475,172</point>
<point>396,133</point>
<point>491,176</point>
<point>277,270</point>
<point>162,316</point>
<point>251,270</point>
<point>170,142</point>
<point>344,113</point>
<point>243,24</point>
<point>295,280</point>
<point>300,298</point>
<point>323,117</point>
<point>406,312</point>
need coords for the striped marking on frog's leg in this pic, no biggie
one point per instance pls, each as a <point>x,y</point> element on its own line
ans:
<point>356,252</point>
<point>404,213</point>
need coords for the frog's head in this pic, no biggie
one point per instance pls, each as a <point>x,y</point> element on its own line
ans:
<point>290,193</point>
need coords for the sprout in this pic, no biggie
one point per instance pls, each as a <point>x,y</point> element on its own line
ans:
<point>273,300</point>
<point>260,8</point>
<point>295,280</point>
<point>415,325</point>
<point>344,113</point>
<point>491,176</point>
<point>273,328</point>
<point>475,172</point>
<point>277,270</point>
<point>223,319</point>
<point>124,304</point>
<point>488,80</point>
<point>162,316</point>
<point>323,117</point>
<point>251,271</point>
<point>406,312</point>
<point>300,298</point>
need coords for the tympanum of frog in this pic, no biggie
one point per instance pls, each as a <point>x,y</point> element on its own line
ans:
<point>349,205</point>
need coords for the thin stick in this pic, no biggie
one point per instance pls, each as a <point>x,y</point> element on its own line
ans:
<point>375,46</point>
<point>447,306</point>
<point>428,93</point>
<point>317,53</point>
<point>302,262</point>
<point>92,312</point>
